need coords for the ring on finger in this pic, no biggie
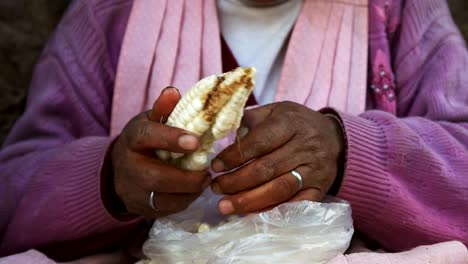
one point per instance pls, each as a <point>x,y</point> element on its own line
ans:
<point>151,202</point>
<point>299,180</point>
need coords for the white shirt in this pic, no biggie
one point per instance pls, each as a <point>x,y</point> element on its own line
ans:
<point>257,37</point>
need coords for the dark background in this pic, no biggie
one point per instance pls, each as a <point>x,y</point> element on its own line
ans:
<point>24,28</point>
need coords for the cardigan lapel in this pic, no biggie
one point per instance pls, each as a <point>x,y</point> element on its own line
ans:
<point>135,61</point>
<point>165,55</point>
<point>166,43</point>
<point>326,61</point>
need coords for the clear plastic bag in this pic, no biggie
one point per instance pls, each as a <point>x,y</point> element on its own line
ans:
<point>300,232</point>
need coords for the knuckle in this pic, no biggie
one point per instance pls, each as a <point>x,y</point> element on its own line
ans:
<point>142,133</point>
<point>151,179</point>
<point>283,189</point>
<point>264,170</point>
<point>301,158</point>
<point>240,203</point>
<point>262,143</point>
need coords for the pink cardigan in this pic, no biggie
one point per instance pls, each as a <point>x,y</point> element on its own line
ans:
<point>406,167</point>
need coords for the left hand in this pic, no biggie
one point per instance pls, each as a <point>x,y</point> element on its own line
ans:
<point>282,137</point>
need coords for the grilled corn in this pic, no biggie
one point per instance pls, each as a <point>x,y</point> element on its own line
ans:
<point>211,110</point>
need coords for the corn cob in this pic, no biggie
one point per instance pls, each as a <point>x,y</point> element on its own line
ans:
<point>211,110</point>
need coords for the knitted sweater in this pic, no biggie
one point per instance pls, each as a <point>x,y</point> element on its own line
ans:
<point>406,171</point>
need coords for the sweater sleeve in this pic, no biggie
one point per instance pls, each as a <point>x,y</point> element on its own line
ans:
<point>50,166</point>
<point>406,175</point>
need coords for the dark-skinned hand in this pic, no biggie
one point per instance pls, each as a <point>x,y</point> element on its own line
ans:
<point>281,137</point>
<point>137,171</point>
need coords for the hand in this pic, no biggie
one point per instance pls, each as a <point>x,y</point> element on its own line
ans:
<point>138,172</point>
<point>282,137</point>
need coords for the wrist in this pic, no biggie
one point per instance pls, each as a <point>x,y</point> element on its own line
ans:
<point>341,159</point>
<point>339,132</point>
<point>111,200</point>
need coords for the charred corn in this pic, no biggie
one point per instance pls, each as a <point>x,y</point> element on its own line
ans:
<point>211,110</point>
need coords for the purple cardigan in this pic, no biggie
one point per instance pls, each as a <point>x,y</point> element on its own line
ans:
<point>406,175</point>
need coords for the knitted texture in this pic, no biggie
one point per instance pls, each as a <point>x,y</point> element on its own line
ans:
<point>51,162</point>
<point>405,174</point>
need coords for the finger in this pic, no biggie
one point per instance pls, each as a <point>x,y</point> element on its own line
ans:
<point>147,135</point>
<point>164,105</point>
<point>274,192</point>
<point>260,171</point>
<point>310,194</point>
<point>263,139</point>
<point>154,175</point>
<point>253,117</point>
<point>172,203</point>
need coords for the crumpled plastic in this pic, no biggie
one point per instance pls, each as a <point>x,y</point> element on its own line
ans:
<point>299,232</point>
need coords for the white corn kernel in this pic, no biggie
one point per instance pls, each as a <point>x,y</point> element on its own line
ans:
<point>203,228</point>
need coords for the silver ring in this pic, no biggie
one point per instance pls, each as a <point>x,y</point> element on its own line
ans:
<point>151,202</point>
<point>298,178</point>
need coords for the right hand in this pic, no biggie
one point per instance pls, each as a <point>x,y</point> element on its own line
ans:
<point>138,172</point>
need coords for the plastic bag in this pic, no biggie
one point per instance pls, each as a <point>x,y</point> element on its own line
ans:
<point>300,232</point>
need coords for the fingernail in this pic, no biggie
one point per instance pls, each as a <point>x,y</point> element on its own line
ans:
<point>217,165</point>
<point>188,142</point>
<point>216,189</point>
<point>169,88</point>
<point>243,131</point>
<point>165,90</point>
<point>225,207</point>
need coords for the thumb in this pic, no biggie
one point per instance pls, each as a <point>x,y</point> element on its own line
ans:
<point>164,105</point>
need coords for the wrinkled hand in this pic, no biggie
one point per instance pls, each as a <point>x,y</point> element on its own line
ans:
<point>282,137</point>
<point>138,172</point>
